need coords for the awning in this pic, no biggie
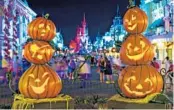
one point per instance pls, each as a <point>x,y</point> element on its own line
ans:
<point>156,1</point>
<point>162,38</point>
<point>157,23</point>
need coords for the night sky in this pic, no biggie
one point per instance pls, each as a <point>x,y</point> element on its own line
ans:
<point>68,14</point>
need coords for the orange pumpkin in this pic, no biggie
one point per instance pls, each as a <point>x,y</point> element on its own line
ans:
<point>135,20</point>
<point>136,50</point>
<point>40,81</point>
<point>38,52</point>
<point>42,29</point>
<point>139,81</point>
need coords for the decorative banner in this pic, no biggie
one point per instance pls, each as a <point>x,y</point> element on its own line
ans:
<point>7,31</point>
<point>15,13</point>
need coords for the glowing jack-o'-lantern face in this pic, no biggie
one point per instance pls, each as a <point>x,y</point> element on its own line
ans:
<point>40,89</point>
<point>42,29</point>
<point>40,81</point>
<point>136,50</point>
<point>38,52</point>
<point>139,81</point>
<point>135,20</point>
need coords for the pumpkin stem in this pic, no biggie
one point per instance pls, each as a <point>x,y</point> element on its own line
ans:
<point>46,16</point>
<point>131,3</point>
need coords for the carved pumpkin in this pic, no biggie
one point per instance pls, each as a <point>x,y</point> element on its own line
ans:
<point>38,52</point>
<point>42,29</point>
<point>139,81</point>
<point>136,50</point>
<point>40,81</point>
<point>135,20</point>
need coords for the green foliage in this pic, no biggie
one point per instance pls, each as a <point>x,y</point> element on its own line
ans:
<point>5,107</point>
<point>161,98</point>
<point>91,100</point>
<point>53,45</point>
<point>29,40</point>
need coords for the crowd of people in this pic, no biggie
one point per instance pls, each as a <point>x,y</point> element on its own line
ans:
<point>106,67</point>
<point>66,66</point>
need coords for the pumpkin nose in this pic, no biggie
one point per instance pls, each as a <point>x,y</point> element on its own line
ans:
<point>136,48</point>
<point>139,86</point>
<point>37,80</point>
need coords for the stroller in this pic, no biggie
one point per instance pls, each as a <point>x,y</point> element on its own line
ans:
<point>168,77</point>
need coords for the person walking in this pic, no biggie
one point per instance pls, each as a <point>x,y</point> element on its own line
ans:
<point>166,62</point>
<point>108,70</point>
<point>71,68</point>
<point>102,68</point>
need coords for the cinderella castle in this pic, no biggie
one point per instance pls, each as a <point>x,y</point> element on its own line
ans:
<point>80,43</point>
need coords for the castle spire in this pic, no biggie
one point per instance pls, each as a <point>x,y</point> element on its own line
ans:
<point>117,10</point>
<point>84,20</point>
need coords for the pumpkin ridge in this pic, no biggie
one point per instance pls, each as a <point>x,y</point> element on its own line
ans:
<point>30,53</point>
<point>48,81</point>
<point>21,89</point>
<point>149,53</point>
<point>53,93</point>
<point>46,59</point>
<point>35,28</point>
<point>140,73</point>
<point>143,21</point>
<point>45,67</point>
<point>148,75</point>
<point>156,81</point>
<point>58,79</point>
<point>45,36</point>
<point>25,54</point>
<point>30,30</point>
<point>33,68</point>
<point>37,74</point>
<point>51,30</point>
<point>130,80</point>
<point>38,36</point>
<point>122,81</point>
<point>35,58</point>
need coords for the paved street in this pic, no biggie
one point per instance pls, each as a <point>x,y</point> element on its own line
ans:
<point>92,87</point>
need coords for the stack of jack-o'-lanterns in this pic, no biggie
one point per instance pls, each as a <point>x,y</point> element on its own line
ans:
<point>138,79</point>
<point>40,81</point>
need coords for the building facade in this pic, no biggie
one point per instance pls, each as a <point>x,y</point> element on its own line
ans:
<point>81,41</point>
<point>160,26</point>
<point>115,34</point>
<point>58,40</point>
<point>14,18</point>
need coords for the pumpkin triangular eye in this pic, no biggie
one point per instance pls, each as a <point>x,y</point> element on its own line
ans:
<point>41,25</point>
<point>134,17</point>
<point>46,73</point>
<point>31,75</point>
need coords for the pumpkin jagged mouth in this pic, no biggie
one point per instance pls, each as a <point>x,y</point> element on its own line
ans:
<point>137,92</point>
<point>40,89</point>
<point>136,57</point>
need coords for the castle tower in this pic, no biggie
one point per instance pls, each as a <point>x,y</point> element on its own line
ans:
<point>84,25</point>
